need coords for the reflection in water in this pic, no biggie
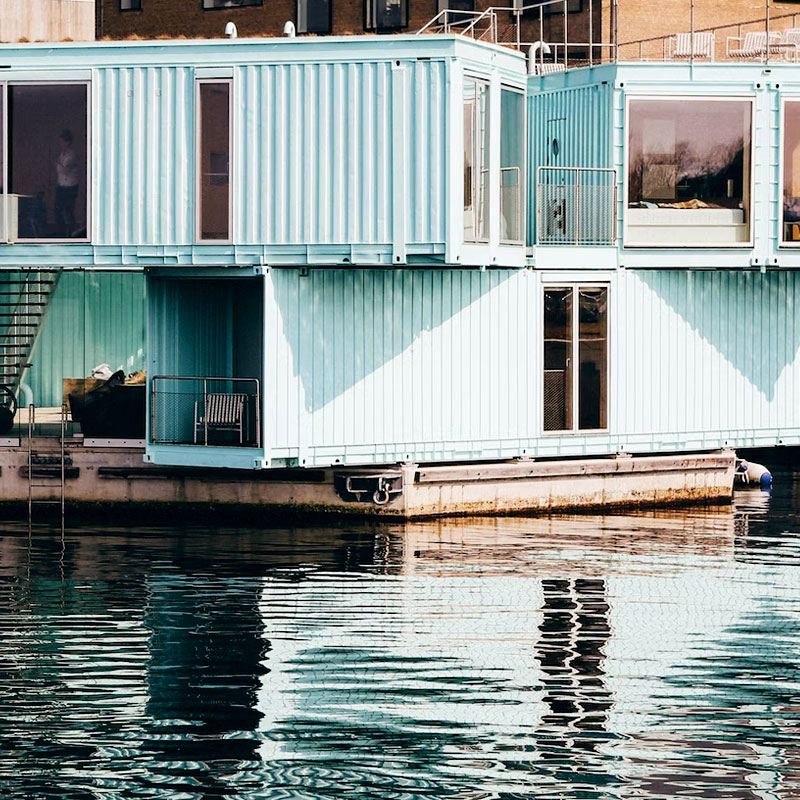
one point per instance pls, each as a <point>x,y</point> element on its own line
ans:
<point>643,656</point>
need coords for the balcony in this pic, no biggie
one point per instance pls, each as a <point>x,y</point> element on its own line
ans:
<point>576,206</point>
<point>205,411</point>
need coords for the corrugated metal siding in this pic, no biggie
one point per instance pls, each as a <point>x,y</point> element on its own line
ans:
<point>706,352</point>
<point>583,117</point>
<point>382,365</point>
<point>93,318</point>
<point>143,155</point>
<point>381,361</point>
<point>316,144</point>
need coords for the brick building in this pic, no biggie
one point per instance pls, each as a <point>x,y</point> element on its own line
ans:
<point>635,19</point>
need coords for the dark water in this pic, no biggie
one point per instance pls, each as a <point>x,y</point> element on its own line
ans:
<point>651,655</point>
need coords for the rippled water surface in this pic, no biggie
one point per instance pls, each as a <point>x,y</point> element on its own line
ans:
<point>631,656</point>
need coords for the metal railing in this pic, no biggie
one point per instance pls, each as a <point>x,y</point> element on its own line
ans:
<point>205,411</point>
<point>576,205</point>
<point>542,30</point>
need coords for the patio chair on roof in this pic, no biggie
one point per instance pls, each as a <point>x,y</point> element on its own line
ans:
<point>789,44</point>
<point>687,45</point>
<point>753,45</point>
<point>549,67</point>
<point>220,412</point>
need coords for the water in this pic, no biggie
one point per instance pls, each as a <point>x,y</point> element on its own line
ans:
<point>653,655</point>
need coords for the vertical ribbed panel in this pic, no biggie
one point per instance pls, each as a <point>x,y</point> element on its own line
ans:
<point>143,155</point>
<point>581,119</point>
<point>379,359</point>
<point>315,146</point>
<point>705,352</point>
<point>93,318</point>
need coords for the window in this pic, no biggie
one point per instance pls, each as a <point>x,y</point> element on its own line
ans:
<point>466,7</point>
<point>512,139</point>
<point>791,172</point>
<point>130,5</point>
<point>689,171</point>
<point>575,358</point>
<point>47,156</point>
<point>476,160</point>
<point>385,15</point>
<point>214,160</point>
<point>211,4</point>
<point>314,16</point>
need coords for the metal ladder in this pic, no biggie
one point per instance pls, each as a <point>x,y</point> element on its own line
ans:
<point>47,468</point>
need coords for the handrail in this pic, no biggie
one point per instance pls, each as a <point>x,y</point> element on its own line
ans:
<point>204,380</point>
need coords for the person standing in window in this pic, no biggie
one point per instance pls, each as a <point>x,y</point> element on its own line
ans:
<point>69,175</point>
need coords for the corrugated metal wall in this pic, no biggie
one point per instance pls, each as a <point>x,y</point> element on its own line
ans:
<point>93,318</point>
<point>143,155</point>
<point>383,365</point>
<point>317,147</point>
<point>581,119</point>
<point>314,153</point>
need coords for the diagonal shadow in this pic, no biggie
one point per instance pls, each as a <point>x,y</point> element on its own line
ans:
<point>343,325</point>
<point>746,316</point>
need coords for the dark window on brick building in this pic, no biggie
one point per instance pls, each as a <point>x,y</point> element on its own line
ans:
<point>130,5</point>
<point>385,15</point>
<point>314,16</point>
<point>210,4</point>
<point>455,6</point>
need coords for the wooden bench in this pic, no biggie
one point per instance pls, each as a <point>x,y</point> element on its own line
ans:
<point>221,412</point>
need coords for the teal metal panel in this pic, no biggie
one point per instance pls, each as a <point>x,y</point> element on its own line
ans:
<point>93,318</point>
<point>579,119</point>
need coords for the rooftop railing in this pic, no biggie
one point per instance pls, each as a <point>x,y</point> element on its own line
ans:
<point>767,38</point>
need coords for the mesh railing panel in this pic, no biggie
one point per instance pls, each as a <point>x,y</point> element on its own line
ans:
<point>576,207</point>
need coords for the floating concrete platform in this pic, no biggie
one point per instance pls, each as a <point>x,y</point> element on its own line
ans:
<point>104,476</point>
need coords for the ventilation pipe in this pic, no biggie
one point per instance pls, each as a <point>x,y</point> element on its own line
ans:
<point>230,30</point>
<point>533,51</point>
<point>288,30</point>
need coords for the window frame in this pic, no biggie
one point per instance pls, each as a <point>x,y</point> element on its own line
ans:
<point>575,285</point>
<point>317,33</point>
<point>11,81</point>
<point>787,98</point>
<point>481,240</point>
<point>198,212</point>
<point>737,97</point>
<point>236,7</point>
<point>523,193</point>
<point>367,4</point>
<point>126,10</point>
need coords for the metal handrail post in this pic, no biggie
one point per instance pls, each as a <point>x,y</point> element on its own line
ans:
<point>258,413</point>
<point>153,417</point>
<point>591,34</point>
<point>566,35</point>
<point>577,201</point>
<point>541,38</point>
<point>205,412</point>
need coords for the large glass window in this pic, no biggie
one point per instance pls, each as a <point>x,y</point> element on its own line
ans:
<point>512,139</point>
<point>313,16</point>
<point>210,4</point>
<point>47,157</point>
<point>461,11</point>
<point>214,160</point>
<point>385,15</point>
<point>791,171</point>
<point>575,358</point>
<point>689,171</point>
<point>476,160</point>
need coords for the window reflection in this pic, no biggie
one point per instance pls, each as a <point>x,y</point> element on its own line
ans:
<point>214,160</point>
<point>512,136</point>
<point>476,160</point>
<point>47,161</point>
<point>557,359</point>
<point>791,172</point>
<point>689,171</point>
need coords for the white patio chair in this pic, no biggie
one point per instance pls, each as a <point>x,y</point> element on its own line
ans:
<point>753,45</point>
<point>681,45</point>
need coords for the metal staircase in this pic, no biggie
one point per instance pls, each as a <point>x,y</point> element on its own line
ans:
<point>24,299</point>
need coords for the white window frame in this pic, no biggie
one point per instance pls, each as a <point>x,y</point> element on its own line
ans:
<point>479,79</point>
<point>575,286</point>
<point>11,81</point>
<point>626,167</point>
<point>788,98</point>
<point>198,161</point>
<point>523,183</point>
